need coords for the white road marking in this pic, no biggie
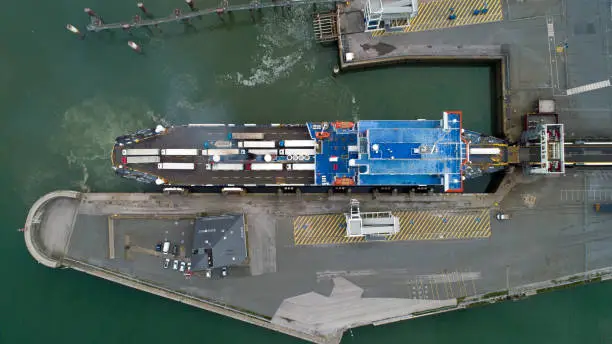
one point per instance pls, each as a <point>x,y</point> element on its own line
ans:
<point>588,87</point>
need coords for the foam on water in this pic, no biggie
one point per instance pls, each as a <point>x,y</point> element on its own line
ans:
<point>88,132</point>
<point>184,103</point>
<point>282,42</point>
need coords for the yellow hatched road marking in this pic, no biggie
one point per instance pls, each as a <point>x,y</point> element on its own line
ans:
<point>414,225</point>
<point>434,15</point>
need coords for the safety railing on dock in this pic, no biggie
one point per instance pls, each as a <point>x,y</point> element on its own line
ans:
<point>97,24</point>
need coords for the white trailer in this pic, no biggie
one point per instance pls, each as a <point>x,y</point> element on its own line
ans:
<point>300,167</point>
<point>180,152</point>
<point>263,151</point>
<point>176,166</point>
<point>267,167</point>
<point>247,136</point>
<point>297,151</point>
<point>257,144</point>
<point>299,143</point>
<point>225,167</point>
<point>150,151</point>
<point>223,144</point>
<point>217,151</point>
<point>142,159</point>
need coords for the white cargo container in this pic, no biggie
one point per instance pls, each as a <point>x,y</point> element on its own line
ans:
<point>263,151</point>
<point>151,151</point>
<point>300,143</point>
<point>247,136</point>
<point>220,151</point>
<point>176,166</point>
<point>142,159</point>
<point>300,167</point>
<point>223,144</point>
<point>267,167</point>
<point>225,167</point>
<point>257,144</point>
<point>297,151</point>
<point>182,152</point>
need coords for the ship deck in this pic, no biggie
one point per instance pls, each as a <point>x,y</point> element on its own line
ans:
<point>185,137</point>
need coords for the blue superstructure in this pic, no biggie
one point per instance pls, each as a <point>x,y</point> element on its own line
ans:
<point>411,152</point>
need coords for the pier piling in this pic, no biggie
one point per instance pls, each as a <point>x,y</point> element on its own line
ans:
<point>142,7</point>
<point>90,12</point>
<point>191,5</point>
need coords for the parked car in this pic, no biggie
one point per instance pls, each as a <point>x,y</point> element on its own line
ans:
<point>189,267</point>
<point>224,271</point>
<point>175,250</point>
<point>158,247</point>
<point>175,265</point>
<point>166,247</point>
<point>208,273</point>
<point>166,263</point>
<point>182,268</point>
<point>502,216</point>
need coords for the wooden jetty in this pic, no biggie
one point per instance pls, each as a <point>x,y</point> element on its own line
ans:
<point>97,25</point>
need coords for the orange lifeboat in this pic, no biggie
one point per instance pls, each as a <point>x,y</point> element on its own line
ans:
<point>344,182</point>
<point>343,125</point>
<point>322,135</point>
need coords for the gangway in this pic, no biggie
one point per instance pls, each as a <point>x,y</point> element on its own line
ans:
<point>97,25</point>
<point>374,224</point>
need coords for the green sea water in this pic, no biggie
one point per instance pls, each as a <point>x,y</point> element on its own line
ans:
<point>64,100</point>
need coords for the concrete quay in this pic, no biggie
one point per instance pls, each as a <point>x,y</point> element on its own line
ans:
<point>318,292</point>
<point>552,49</point>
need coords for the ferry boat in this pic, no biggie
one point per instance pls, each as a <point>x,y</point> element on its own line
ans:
<point>400,155</point>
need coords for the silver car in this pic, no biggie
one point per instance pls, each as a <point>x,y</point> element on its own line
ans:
<point>166,263</point>
<point>175,265</point>
<point>182,268</point>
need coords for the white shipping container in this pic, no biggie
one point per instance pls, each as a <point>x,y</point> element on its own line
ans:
<point>257,144</point>
<point>223,144</point>
<point>142,159</point>
<point>267,167</point>
<point>227,167</point>
<point>133,151</point>
<point>220,151</point>
<point>297,151</point>
<point>176,166</point>
<point>300,143</point>
<point>247,136</point>
<point>303,167</point>
<point>263,151</point>
<point>174,151</point>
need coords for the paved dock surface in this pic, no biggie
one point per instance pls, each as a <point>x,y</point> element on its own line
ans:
<point>552,46</point>
<point>548,236</point>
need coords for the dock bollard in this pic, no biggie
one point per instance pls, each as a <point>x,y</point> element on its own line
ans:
<point>135,47</point>
<point>74,30</point>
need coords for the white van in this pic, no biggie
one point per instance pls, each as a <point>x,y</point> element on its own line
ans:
<point>166,247</point>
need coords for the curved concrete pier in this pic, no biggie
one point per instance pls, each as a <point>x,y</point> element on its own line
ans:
<point>32,226</point>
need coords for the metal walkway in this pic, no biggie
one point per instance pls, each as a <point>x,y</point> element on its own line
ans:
<point>585,154</point>
<point>97,25</point>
